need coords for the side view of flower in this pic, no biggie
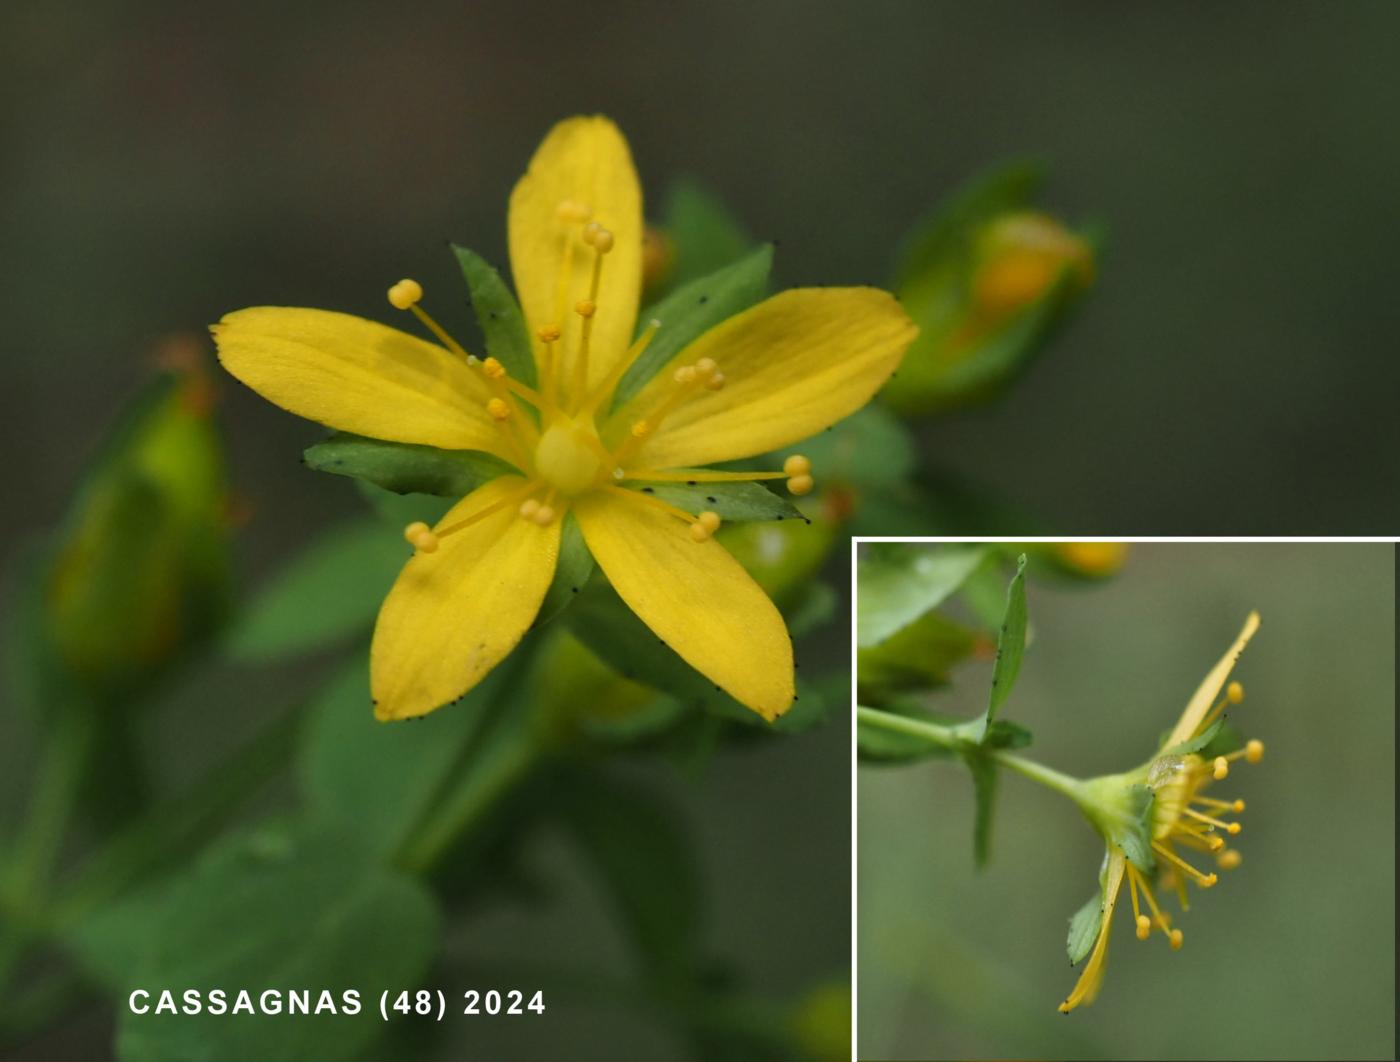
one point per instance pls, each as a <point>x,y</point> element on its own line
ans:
<point>591,419</point>
<point>1166,795</point>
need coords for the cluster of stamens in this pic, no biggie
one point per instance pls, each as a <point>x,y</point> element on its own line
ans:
<point>554,440</point>
<point>1185,817</point>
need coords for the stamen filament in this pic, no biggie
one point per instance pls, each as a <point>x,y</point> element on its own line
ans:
<point>1228,827</point>
<point>1236,806</point>
<point>586,328</point>
<point>1205,881</point>
<point>605,389</point>
<point>512,498</point>
<point>656,475</point>
<point>654,502</point>
<point>437,330</point>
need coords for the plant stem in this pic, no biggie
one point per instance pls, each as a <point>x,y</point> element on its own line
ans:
<point>952,738</point>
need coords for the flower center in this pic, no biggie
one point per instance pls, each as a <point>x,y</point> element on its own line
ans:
<point>567,455</point>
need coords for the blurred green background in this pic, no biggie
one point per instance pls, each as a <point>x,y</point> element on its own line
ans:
<point>1290,956</point>
<point>163,163</point>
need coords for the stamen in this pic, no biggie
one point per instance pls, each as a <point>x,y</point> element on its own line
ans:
<point>1157,915</point>
<point>1228,827</point>
<point>602,241</point>
<point>605,389</point>
<point>706,524</point>
<point>513,498</point>
<point>799,471</point>
<point>1205,842</point>
<point>1236,806</point>
<point>420,536</point>
<point>1144,925</point>
<point>1220,768</point>
<point>1205,881</point>
<point>406,295</point>
<point>1176,937</point>
<point>1229,859</point>
<point>654,502</point>
<point>1254,751</point>
<point>687,377</point>
<point>1234,693</point>
<point>699,475</point>
<point>498,408</point>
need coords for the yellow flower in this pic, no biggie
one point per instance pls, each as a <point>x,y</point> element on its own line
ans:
<point>764,379</point>
<point>1181,817</point>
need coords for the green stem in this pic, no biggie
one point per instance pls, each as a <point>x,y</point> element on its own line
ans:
<point>955,739</point>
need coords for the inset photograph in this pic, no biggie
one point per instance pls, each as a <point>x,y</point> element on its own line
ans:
<point>1125,800</point>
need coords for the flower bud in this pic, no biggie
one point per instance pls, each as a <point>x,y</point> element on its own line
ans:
<point>140,568</point>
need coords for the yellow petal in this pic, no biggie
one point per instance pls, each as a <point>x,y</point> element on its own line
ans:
<point>793,365</point>
<point>1210,687</point>
<point>456,613</point>
<point>1087,987</point>
<point>359,376</point>
<point>583,161</point>
<point>695,596</point>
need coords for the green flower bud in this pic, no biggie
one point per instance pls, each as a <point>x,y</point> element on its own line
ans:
<point>988,281</point>
<point>140,569</point>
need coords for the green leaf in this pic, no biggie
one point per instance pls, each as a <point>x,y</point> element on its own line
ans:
<point>704,234</point>
<point>644,856</point>
<point>984,786</point>
<point>571,574</point>
<point>1195,744</point>
<point>692,310</point>
<point>405,468</point>
<point>732,502</point>
<point>920,655</point>
<point>328,594</point>
<point>899,582</point>
<point>498,314</point>
<point>382,778</point>
<point>279,908</point>
<point>1084,928</point>
<point>1134,833</point>
<point>1011,641</point>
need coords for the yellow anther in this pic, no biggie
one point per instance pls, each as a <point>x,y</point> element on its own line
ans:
<point>1237,806</point>
<point>1233,827</point>
<point>699,531</point>
<point>590,232</point>
<point>498,408</point>
<point>585,307</point>
<point>1144,927</point>
<point>1209,880</point>
<point>544,516</point>
<point>798,465</point>
<point>800,484</point>
<point>710,520</point>
<point>420,537</point>
<point>715,382</point>
<point>641,429</point>
<point>1229,859</point>
<point>602,240</point>
<point>1176,936</point>
<point>493,368</point>
<point>548,333</point>
<point>405,293</point>
<point>707,367</point>
<point>1220,768</point>
<point>1215,842</point>
<point>571,210</point>
<point>529,507</point>
<point>1254,751</point>
<point>684,375</point>
<point>1234,693</point>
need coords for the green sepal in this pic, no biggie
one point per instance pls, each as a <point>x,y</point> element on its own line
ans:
<point>1084,928</point>
<point>405,468</point>
<point>739,502</point>
<point>899,583</point>
<point>1132,831</point>
<point>1004,734</point>
<point>499,316</point>
<point>692,310</point>
<point>704,234</point>
<point>1195,744</point>
<point>571,573</point>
